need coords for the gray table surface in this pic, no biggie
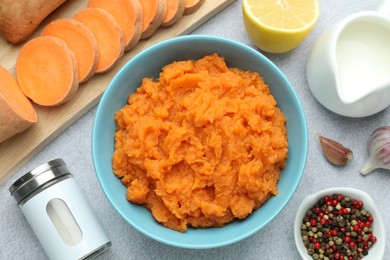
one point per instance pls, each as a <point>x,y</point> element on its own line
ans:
<point>276,240</point>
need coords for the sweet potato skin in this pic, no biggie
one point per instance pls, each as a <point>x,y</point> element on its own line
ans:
<point>20,18</point>
<point>169,21</point>
<point>193,6</point>
<point>158,18</point>
<point>12,120</point>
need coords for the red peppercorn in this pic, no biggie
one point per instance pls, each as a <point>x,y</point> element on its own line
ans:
<point>317,245</point>
<point>340,197</point>
<point>334,232</point>
<point>372,238</point>
<point>345,211</point>
<point>313,222</point>
<point>323,221</point>
<point>356,228</point>
<point>334,202</point>
<point>327,198</point>
<point>347,239</point>
<point>370,219</point>
<point>337,255</point>
<point>352,245</point>
<point>357,204</point>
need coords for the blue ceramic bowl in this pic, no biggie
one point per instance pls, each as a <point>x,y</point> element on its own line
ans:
<point>148,63</point>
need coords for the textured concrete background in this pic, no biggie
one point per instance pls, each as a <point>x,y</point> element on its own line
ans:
<point>276,240</point>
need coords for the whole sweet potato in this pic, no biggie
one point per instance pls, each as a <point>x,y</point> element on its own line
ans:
<point>20,18</point>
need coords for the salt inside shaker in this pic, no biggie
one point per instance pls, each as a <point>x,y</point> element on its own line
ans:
<point>58,213</point>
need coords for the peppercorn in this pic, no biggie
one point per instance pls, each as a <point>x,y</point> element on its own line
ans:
<point>338,227</point>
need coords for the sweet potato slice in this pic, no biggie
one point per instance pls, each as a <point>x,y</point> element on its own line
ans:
<point>80,40</point>
<point>108,34</point>
<point>128,13</point>
<point>192,6</point>
<point>19,19</point>
<point>46,70</point>
<point>16,111</point>
<point>154,12</point>
<point>175,10</point>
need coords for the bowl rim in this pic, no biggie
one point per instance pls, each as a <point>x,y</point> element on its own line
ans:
<point>300,115</point>
<point>354,193</point>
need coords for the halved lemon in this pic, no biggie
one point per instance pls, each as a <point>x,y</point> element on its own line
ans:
<point>278,26</point>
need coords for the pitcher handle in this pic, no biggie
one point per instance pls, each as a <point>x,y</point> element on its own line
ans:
<point>384,7</point>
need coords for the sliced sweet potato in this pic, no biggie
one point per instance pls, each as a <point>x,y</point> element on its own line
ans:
<point>46,70</point>
<point>16,111</point>
<point>154,12</point>
<point>108,34</point>
<point>175,10</point>
<point>192,6</point>
<point>128,13</point>
<point>80,40</point>
<point>19,19</point>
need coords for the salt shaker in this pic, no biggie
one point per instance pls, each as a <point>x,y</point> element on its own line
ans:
<point>58,213</point>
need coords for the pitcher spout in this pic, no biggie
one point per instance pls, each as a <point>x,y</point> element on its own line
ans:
<point>376,94</point>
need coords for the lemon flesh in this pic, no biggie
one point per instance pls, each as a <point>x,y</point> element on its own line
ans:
<point>279,26</point>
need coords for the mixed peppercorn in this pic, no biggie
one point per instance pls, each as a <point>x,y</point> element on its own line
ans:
<point>337,227</point>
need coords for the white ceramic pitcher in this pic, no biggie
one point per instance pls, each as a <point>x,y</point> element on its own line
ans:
<point>348,69</point>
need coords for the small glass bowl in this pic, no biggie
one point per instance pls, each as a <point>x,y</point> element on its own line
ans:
<point>377,250</point>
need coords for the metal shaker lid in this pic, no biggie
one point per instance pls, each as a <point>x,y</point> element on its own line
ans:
<point>38,179</point>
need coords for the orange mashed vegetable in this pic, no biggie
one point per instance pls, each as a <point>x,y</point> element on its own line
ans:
<point>201,146</point>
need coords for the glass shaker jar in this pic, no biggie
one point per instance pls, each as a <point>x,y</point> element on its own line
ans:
<point>58,213</point>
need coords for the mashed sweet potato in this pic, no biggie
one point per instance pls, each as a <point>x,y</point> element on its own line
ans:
<point>201,146</point>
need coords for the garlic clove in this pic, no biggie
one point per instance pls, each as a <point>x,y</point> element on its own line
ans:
<point>368,167</point>
<point>335,152</point>
<point>379,150</point>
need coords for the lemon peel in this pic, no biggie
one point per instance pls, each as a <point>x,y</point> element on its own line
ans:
<point>279,26</point>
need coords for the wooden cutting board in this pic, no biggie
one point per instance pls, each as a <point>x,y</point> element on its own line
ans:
<point>52,121</point>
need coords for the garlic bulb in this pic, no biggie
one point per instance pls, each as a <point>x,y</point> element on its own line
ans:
<point>379,149</point>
